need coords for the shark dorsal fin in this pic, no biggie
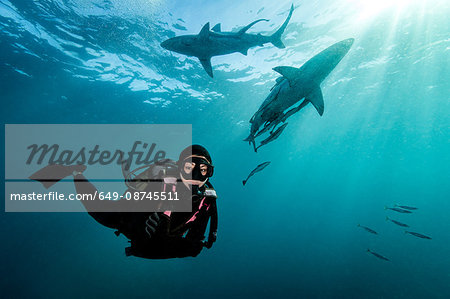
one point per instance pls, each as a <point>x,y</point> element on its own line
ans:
<point>243,30</point>
<point>316,98</point>
<point>217,28</point>
<point>288,72</point>
<point>206,63</point>
<point>205,31</point>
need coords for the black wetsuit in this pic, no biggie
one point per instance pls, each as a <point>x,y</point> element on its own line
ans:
<point>174,237</point>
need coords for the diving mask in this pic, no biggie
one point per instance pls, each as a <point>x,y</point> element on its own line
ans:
<point>196,168</point>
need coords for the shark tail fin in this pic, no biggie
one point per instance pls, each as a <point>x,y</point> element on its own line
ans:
<point>243,30</point>
<point>275,38</point>
<point>276,41</point>
<point>243,182</point>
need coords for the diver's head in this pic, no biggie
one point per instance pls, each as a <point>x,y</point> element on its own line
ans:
<point>195,165</point>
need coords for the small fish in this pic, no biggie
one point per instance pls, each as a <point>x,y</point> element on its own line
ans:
<point>257,169</point>
<point>406,207</point>
<point>397,222</point>
<point>270,124</point>
<point>368,229</point>
<point>417,235</point>
<point>294,110</point>
<point>378,255</point>
<point>398,210</point>
<point>273,135</point>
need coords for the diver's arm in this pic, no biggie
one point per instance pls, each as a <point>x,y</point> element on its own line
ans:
<point>212,226</point>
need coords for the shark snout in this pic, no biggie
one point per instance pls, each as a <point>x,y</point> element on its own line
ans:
<point>165,44</point>
<point>171,44</point>
<point>348,42</point>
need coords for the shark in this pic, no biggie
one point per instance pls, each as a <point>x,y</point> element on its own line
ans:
<point>295,85</point>
<point>209,43</point>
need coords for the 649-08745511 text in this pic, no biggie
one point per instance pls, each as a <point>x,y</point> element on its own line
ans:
<point>51,196</point>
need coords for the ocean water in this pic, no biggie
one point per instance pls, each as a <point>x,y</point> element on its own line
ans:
<point>291,232</point>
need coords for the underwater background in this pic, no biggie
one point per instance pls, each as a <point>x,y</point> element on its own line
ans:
<point>292,231</point>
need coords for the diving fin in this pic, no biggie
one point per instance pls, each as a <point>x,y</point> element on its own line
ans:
<point>53,173</point>
<point>206,63</point>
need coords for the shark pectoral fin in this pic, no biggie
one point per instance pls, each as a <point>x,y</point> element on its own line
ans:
<point>316,98</point>
<point>288,72</point>
<point>217,28</point>
<point>204,33</point>
<point>206,63</point>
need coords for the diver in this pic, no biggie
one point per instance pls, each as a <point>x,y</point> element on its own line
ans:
<point>161,235</point>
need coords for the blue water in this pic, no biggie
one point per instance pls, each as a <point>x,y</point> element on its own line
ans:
<point>292,231</point>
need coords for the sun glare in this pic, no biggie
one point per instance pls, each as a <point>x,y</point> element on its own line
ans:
<point>371,8</point>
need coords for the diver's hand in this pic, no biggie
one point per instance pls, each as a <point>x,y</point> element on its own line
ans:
<point>151,224</point>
